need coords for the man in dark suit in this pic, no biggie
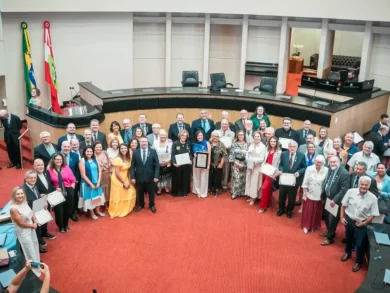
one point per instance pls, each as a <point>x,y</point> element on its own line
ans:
<point>384,121</point>
<point>126,132</point>
<point>12,126</point>
<point>377,138</point>
<point>46,149</point>
<point>146,127</point>
<point>144,170</point>
<point>286,131</point>
<point>175,128</point>
<point>225,115</point>
<point>240,123</point>
<point>305,131</point>
<point>45,187</point>
<point>32,194</point>
<point>291,162</point>
<point>71,133</point>
<point>72,161</point>
<point>96,134</point>
<point>337,184</point>
<point>361,169</point>
<point>203,124</point>
<point>87,140</point>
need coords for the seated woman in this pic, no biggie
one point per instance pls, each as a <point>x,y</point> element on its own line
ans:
<point>383,184</point>
<point>313,186</point>
<point>122,194</point>
<point>217,159</point>
<point>200,176</point>
<point>163,148</point>
<point>115,129</point>
<point>35,100</point>
<point>25,225</point>
<point>91,190</point>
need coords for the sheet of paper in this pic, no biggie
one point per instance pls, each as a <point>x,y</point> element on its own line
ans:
<point>226,141</point>
<point>268,169</point>
<point>55,198</point>
<point>183,159</point>
<point>163,157</point>
<point>43,217</point>
<point>39,204</point>
<point>284,142</point>
<point>287,179</point>
<point>357,138</point>
<point>331,210</point>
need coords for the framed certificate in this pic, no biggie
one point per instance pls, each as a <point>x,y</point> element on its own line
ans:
<point>201,160</point>
<point>287,179</point>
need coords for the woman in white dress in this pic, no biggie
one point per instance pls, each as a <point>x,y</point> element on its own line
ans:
<point>163,147</point>
<point>255,157</point>
<point>25,225</point>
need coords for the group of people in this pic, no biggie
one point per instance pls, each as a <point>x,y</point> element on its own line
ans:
<point>101,173</point>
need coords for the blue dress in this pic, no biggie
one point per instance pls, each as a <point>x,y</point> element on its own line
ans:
<point>90,198</point>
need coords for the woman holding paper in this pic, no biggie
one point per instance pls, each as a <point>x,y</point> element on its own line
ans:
<point>181,174</point>
<point>91,189</point>
<point>25,225</point>
<point>122,193</point>
<point>237,158</point>
<point>272,158</point>
<point>217,154</point>
<point>163,148</point>
<point>200,176</point>
<point>323,141</point>
<point>313,186</point>
<point>63,179</point>
<point>254,158</point>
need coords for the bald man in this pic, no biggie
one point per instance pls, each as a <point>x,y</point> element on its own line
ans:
<point>225,115</point>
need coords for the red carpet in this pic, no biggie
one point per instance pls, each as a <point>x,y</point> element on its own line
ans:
<point>193,245</point>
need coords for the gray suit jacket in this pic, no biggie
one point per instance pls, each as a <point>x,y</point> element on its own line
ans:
<point>302,148</point>
<point>239,125</point>
<point>339,186</point>
<point>373,187</point>
<point>102,138</point>
<point>151,138</point>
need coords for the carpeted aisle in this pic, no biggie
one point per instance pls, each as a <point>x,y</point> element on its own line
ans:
<point>192,245</point>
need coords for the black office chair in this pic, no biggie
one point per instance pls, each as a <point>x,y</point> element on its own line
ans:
<point>334,75</point>
<point>267,84</point>
<point>218,81</point>
<point>190,79</point>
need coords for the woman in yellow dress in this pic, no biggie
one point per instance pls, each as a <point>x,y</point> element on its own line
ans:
<point>122,193</point>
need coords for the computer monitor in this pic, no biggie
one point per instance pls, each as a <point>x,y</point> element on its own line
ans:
<point>308,81</point>
<point>329,85</point>
<point>351,87</point>
<point>368,85</point>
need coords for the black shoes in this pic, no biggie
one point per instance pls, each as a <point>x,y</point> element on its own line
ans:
<point>153,209</point>
<point>42,242</point>
<point>345,257</point>
<point>10,166</point>
<point>49,236</point>
<point>356,267</point>
<point>289,214</point>
<point>18,167</point>
<point>327,242</point>
<point>67,229</point>
<point>279,213</point>
<point>42,250</point>
<point>138,208</point>
<point>74,218</point>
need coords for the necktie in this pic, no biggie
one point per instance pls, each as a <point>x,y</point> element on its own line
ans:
<point>204,125</point>
<point>248,132</point>
<point>144,129</point>
<point>144,157</point>
<point>95,136</point>
<point>356,184</point>
<point>291,161</point>
<point>180,127</point>
<point>156,137</point>
<point>35,191</point>
<point>329,183</point>
<point>305,135</point>
<point>67,159</point>
<point>224,133</point>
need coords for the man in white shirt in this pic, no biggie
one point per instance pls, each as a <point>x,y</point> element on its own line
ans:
<point>226,136</point>
<point>367,156</point>
<point>359,207</point>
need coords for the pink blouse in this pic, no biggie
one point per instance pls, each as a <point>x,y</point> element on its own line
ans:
<point>67,177</point>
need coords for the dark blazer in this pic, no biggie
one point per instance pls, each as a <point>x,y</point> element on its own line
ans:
<point>83,146</point>
<point>12,131</point>
<point>291,134</point>
<point>373,187</point>
<point>40,152</point>
<point>102,138</point>
<point>41,187</point>
<point>173,131</point>
<point>341,184</point>
<point>147,172</point>
<point>148,128</point>
<point>197,125</point>
<point>301,138</point>
<point>65,137</point>
<point>299,164</point>
<point>74,165</point>
<point>238,125</point>
<point>377,140</point>
<point>231,126</point>
<point>30,196</point>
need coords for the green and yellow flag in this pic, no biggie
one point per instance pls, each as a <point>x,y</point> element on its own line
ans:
<point>29,76</point>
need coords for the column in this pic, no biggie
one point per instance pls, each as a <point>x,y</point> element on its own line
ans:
<point>131,51</point>
<point>244,45</point>
<point>206,51</point>
<point>365,62</point>
<point>326,50</point>
<point>285,34</point>
<point>168,45</point>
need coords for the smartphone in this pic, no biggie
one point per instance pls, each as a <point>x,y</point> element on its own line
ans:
<point>35,264</point>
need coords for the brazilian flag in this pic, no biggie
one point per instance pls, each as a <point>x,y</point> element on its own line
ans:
<point>29,76</point>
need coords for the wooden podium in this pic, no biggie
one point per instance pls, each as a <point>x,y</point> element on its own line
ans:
<point>295,65</point>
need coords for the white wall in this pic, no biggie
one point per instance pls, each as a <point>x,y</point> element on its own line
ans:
<point>377,10</point>
<point>187,50</point>
<point>310,38</point>
<point>87,47</point>
<point>348,43</point>
<point>380,61</point>
<point>225,51</point>
<point>263,44</point>
<point>149,55</point>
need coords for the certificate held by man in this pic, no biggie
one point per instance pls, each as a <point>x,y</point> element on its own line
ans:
<point>183,159</point>
<point>40,211</point>
<point>287,179</point>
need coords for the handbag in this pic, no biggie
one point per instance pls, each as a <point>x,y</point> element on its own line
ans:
<point>383,206</point>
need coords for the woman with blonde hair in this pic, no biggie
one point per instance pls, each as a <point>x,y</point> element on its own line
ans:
<point>163,147</point>
<point>25,225</point>
<point>323,141</point>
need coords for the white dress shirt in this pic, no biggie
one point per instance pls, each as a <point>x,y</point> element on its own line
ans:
<point>360,207</point>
